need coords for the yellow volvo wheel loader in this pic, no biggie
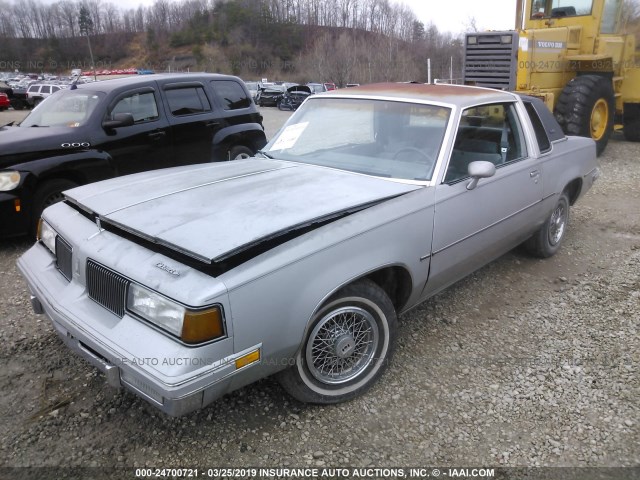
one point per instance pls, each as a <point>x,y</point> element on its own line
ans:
<point>574,55</point>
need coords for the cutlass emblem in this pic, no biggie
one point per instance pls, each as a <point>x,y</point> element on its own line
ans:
<point>168,269</point>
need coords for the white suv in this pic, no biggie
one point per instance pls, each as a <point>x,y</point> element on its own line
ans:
<point>39,91</point>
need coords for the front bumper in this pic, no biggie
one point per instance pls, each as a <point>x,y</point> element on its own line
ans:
<point>175,398</point>
<point>14,218</point>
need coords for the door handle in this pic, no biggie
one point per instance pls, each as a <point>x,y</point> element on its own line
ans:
<point>157,135</point>
<point>534,173</point>
<point>212,124</point>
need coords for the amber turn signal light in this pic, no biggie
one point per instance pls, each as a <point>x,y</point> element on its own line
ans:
<point>202,326</point>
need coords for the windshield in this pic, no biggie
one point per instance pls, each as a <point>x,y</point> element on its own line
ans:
<point>560,8</point>
<point>375,137</point>
<point>66,108</point>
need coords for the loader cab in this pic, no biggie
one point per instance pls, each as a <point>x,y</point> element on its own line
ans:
<point>594,16</point>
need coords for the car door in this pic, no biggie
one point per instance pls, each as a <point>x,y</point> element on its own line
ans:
<point>473,227</point>
<point>145,145</point>
<point>193,120</point>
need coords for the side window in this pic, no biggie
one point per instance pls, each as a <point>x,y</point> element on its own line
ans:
<point>187,101</point>
<point>54,89</point>
<point>33,88</point>
<point>490,133</point>
<point>142,106</point>
<point>541,134</point>
<point>231,94</point>
<point>45,89</point>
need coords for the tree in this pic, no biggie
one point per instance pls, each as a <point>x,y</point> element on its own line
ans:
<point>86,25</point>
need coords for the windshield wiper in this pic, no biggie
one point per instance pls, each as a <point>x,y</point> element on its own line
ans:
<point>10,124</point>
<point>265,154</point>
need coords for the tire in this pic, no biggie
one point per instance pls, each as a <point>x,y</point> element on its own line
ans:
<point>239,152</point>
<point>586,108</point>
<point>37,102</point>
<point>47,194</point>
<point>362,306</point>
<point>17,104</point>
<point>546,241</point>
<point>632,122</point>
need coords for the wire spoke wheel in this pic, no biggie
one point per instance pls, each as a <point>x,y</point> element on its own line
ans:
<point>342,345</point>
<point>347,346</point>
<point>557,224</point>
<point>547,240</point>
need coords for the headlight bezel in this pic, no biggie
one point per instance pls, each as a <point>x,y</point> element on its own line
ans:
<point>9,180</point>
<point>189,328</point>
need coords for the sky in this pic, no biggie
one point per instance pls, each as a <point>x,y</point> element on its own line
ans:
<point>448,15</point>
<point>455,15</point>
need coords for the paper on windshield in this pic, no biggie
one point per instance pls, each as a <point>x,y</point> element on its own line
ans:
<point>289,136</point>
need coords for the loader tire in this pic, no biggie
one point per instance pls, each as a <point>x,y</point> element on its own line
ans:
<point>586,108</point>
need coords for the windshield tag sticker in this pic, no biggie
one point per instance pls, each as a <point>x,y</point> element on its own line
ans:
<point>289,136</point>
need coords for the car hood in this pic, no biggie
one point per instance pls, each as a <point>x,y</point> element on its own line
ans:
<point>213,212</point>
<point>21,143</point>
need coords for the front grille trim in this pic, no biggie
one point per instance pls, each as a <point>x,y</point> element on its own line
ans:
<point>107,288</point>
<point>64,255</point>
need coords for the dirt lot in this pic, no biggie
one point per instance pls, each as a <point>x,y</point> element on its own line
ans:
<point>526,362</point>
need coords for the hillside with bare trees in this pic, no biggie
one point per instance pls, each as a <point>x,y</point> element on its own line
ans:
<point>340,40</point>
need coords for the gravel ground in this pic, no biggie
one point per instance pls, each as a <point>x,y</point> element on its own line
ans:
<point>525,363</point>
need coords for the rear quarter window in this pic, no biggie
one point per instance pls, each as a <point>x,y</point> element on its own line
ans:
<point>231,94</point>
<point>541,135</point>
<point>187,101</point>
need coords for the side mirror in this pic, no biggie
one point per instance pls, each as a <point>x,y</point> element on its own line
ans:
<point>118,120</point>
<point>478,170</point>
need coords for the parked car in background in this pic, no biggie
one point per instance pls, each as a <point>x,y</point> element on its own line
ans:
<point>4,102</point>
<point>351,85</point>
<point>253,88</point>
<point>271,95</point>
<point>317,87</point>
<point>366,203</point>
<point>330,86</point>
<point>116,127</point>
<point>293,97</point>
<point>37,92</point>
<point>17,96</point>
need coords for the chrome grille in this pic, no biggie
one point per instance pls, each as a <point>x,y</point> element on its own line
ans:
<point>107,288</point>
<point>63,257</point>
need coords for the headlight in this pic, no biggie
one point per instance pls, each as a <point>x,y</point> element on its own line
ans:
<point>47,235</point>
<point>192,326</point>
<point>9,181</point>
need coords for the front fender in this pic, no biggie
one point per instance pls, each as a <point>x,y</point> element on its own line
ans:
<point>84,166</point>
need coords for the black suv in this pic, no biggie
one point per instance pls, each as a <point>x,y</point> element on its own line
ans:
<point>116,127</point>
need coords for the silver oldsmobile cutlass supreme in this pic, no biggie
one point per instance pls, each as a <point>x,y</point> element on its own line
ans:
<point>184,284</point>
